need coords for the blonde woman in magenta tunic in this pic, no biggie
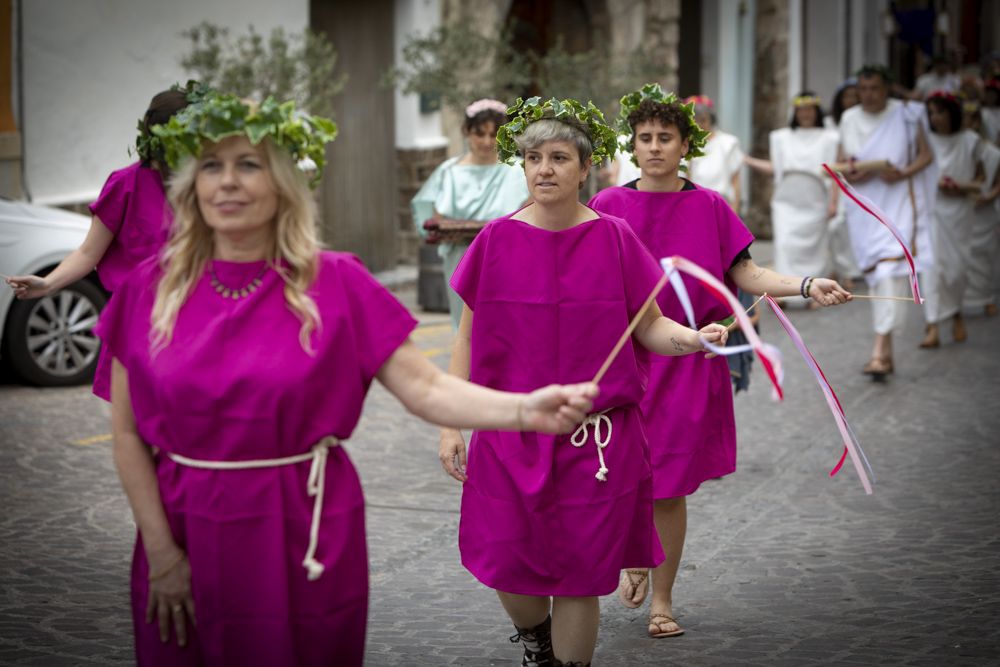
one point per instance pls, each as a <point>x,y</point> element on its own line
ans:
<point>688,406</point>
<point>131,220</point>
<point>549,521</point>
<point>247,347</point>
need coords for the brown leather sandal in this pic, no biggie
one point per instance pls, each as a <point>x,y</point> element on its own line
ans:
<point>633,583</point>
<point>658,620</point>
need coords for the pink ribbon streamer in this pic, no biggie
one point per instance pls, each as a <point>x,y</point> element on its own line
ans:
<point>769,358</point>
<point>869,207</point>
<point>852,447</point>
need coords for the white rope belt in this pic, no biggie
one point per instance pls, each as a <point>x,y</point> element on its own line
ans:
<point>314,486</point>
<point>580,435</point>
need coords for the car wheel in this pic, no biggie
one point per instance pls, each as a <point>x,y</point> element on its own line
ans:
<point>50,341</point>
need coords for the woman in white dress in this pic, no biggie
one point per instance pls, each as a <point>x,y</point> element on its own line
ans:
<point>803,202</point>
<point>719,168</point>
<point>983,271</point>
<point>957,152</point>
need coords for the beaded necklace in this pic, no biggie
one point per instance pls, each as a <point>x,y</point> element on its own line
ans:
<point>236,293</point>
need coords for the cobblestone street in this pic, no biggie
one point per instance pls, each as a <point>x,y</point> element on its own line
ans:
<point>783,565</point>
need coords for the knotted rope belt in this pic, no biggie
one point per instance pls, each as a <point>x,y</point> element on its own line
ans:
<point>601,439</point>
<point>314,486</point>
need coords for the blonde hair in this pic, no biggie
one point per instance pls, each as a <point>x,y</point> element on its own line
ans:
<point>192,245</point>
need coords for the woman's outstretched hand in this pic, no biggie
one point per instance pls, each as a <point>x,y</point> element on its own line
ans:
<point>556,408</point>
<point>828,292</point>
<point>28,287</point>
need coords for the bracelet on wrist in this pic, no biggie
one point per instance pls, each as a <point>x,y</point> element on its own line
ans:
<point>165,571</point>
<point>802,287</point>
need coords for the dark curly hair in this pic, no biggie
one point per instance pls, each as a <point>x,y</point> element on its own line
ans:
<point>665,114</point>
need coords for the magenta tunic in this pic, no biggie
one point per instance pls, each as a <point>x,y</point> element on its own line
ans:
<point>235,384</point>
<point>548,308</point>
<point>133,206</point>
<point>688,406</point>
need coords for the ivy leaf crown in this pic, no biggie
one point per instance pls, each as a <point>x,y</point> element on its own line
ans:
<point>216,116</point>
<point>148,146</point>
<point>588,119</point>
<point>697,137</point>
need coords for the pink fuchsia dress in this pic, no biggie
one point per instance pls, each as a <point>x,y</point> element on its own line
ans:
<point>234,384</point>
<point>548,308</point>
<point>688,406</point>
<point>133,206</point>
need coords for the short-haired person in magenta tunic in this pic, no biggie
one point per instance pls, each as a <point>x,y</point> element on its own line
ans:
<point>688,405</point>
<point>130,221</point>
<point>549,521</point>
<point>242,357</point>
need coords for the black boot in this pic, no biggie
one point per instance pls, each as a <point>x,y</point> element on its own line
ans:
<point>537,643</point>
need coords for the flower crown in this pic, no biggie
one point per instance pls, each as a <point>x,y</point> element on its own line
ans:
<point>485,104</point>
<point>696,137</point>
<point>148,146</point>
<point>942,95</point>
<point>587,119</point>
<point>701,100</point>
<point>806,100</point>
<point>216,116</point>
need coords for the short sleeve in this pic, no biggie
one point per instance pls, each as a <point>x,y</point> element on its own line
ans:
<point>735,161</point>
<point>734,237</point>
<point>118,327</point>
<point>422,204</point>
<point>640,270</point>
<point>465,280</point>
<point>379,322</point>
<point>112,203</point>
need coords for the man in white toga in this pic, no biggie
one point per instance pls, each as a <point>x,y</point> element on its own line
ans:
<point>880,128</point>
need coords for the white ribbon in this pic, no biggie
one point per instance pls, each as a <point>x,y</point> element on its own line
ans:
<point>315,484</point>
<point>580,435</point>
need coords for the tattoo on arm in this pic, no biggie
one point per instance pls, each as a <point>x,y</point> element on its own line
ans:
<point>757,274</point>
<point>677,346</point>
<point>786,281</point>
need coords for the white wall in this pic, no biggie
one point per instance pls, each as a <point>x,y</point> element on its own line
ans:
<point>415,130</point>
<point>91,68</point>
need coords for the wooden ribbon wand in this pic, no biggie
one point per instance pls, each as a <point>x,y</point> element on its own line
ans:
<point>631,327</point>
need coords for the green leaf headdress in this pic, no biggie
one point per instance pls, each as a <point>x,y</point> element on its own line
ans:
<point>588,119</point>
<point>216,116</point>
<point>696,136</point>
<point>148,146</point>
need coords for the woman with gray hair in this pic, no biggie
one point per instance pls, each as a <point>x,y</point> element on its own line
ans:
<point>548,522</point>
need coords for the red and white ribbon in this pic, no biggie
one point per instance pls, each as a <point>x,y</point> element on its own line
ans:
<point>869,207</point>
<point>769,356</point>
<point>851,445</point>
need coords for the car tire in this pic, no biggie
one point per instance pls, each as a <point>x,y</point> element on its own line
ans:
<point>50,341</point>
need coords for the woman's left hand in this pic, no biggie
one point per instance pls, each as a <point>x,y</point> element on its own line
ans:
<point>714,333</point>
<point>556,408</point>
<point>170,601</point>
<point>828,292</point>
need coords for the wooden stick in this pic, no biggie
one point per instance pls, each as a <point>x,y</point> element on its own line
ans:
<point>631,327</point>
<point>861,165</point>
<point>735,323</point>
<point>887,298</point>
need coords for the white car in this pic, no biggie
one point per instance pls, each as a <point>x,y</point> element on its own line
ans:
<point>48,341</point>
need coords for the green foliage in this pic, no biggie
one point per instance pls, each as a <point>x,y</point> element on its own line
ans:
<point>148,146</point>
<point>588,118</point>
<point>697,137</point>
<point>217,116</point>
<point>461,65</point>
<point>284,66</point>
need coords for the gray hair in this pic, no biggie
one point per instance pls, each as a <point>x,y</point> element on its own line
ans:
<point>549,129</point>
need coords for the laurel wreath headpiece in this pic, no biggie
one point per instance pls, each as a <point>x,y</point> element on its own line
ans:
<point>696,136</point>
<point>216,116</point>
<point>587,119</point>
<point>147,145</point>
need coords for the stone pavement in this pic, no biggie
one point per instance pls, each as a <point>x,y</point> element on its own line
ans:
<point>783,565</point>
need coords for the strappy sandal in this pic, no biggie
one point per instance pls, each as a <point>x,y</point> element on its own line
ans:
<point>633,583</point>
<point>537,642</point>
<point>658,620</point>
